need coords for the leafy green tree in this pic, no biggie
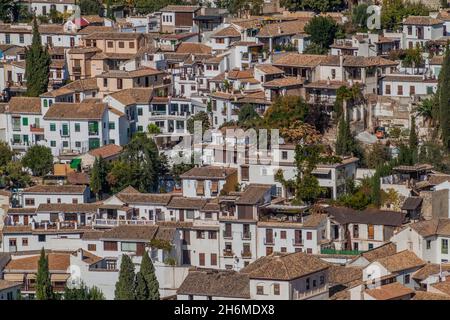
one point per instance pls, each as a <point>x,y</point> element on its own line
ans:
<point>149,6</point>
<point>153,129</point>
<point>39,159</point>
<point>15,176</point>
<point>432,152</point>
<point>44,289</point>
<point>413,58</point>
<point>247,113</point>
<point>426,109</point>
<point>109,11</point>
<point>379,154</point>
<point>375,195</point>
<point>55,16</point>
<point>9,10</point>
<point>96,294</point>
<point>98,179</point>
<point>148,273</point>
<point>284,111</point>
<point>37,65</point>
<point>141,290</point>
<point>6,154</point>
<point>394,11</point>
<point>83,293</point>
<point>314,5</point>
<point>119,176</point>
<point>200,116</point>
<point>125,284</point>
<point>90,7</point>
<point>322,31</point>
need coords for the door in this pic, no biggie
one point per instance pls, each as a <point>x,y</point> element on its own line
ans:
<point>181,215</point>
<point>269,236</point>
<point>186,257</point>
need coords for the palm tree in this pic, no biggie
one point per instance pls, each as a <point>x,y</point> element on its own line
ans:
<point>425,110</point>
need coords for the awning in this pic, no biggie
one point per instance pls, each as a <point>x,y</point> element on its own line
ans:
<point>321,171</point>
<point>59,277</point>
<point>75,163</point>
<point>31,276</point>
<point>15,277</point>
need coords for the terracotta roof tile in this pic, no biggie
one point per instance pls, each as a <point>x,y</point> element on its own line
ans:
<point>227,32</point>
<point>24,105</point>
<point>298,60</point>
<point>86,110</point>
<point>186,203</point>
<point>107,151</point>
<point>189,47</point>
<point>208,172</point>
<point>402,260</point>
<point>64,189</point>
<point>390,291</point>
<point>422,21</point>
<point>57,262</point>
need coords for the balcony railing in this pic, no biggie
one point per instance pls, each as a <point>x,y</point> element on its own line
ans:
<point>297,242</point>
<point>310,293</point>
<point>115,222</point>
<point>228,253</point>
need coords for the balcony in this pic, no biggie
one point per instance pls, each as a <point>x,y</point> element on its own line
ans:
<point>246,254</point>
<point>297,242</point>
<point>228,253</point>
<point>246,236</point>
<point>36,129</point>
<point>268,241</point>
<point>115,222</point>
<point>309,293</point>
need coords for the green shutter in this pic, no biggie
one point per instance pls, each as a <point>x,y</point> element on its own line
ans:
<point>25,121</point>
<point>94,143</point>
<point>112,126</point>
<point>45,103</point>
<point>52,127</point>
<point>52,143</point>
<point>65,130</point>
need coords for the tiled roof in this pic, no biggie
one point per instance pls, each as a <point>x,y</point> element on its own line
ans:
<point>148,198</point>
<point>385,250</point>
<point>436,179</point>
<point>131,232</point>
<point>106,151</point>
<point>189,47</point>
<point>253,194</point>
<point>407,78</point>
<point>412,203</point>
<point>75,86</point>
<point>282,29</point>
<point>78,178</point>
<point>228,284</point>
<point>21,211</point>
<point>57,262</point>
<point>284,267</point>
<point>4,284</point>
<point>269,69</point>
<point>345,215</point>
<point>86,110</point>
<point>227,32</point>
<point>24,105</point>
<point>425,295</point>
<point>298,60</point>
<point>113,36</point>
<point>325,84</point>
<point>67,207</point>
<point>283,82</point>
<point>422,21</point>
<point>208,172</point>
<point>432,227</point>
<point>342,275</point>
<point>443,287</point>
<point>177,8</point>
<point>400,261</point>
<point>92,234</point>
<point>64,189</point>
<point>141,72</point>
<point>186,203</point>
<point>314,220</point>
<point>133,96</point>
<point>360,61</point>
<point>390,291</point>
<point>430,269</point>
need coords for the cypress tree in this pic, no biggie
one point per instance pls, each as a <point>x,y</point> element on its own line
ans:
<point>444,100</point>
<point>37,65</point>
<point>376,188</point>
<point>148,272</point>
<point>344,139</point>
<point>98,182</point>
<point>141,290</point>
<point>44,289</point>
<point>125,284</point>
<point>413,141</point>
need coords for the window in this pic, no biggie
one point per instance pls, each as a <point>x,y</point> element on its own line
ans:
<point>131,44</point>
<point>119,83</point>
<point>444,246</point>
<point>7,38</point>
<point>355,231</point>
<point>314,283</point>
<point>77,144</point>
<point>92,247</point>
<point>309,235</point>
<point>139,111</point>
<point>110,44</point>
<point>201,259</point>
<point>322,280</point>
<point>29,201</point>
<point>200,234</point>
<point>25,121</point>
<point>77,127</point>
<point>409,30</point>
<point>282,234</point>
<point>283,249</point>
<point>53,143</point>
<point>259,290</point>
<point>190,214</point>
<point>212,234</point>
<point>400,90</point>
<point>21,38</point>
<point>269,251</point>
<point>430,90</point>
<point>370,231</point>
<point>140,128</point>
<point>65,144</point>
<point>333,73</point>
<point>41,237</point>
<point>213,259</point>
<point>388,89</point>
<point>412,90</point>
<point>121,44</point>
<point>110,245</point>
<point>48,200</point>
<point>370,246</point>
<point>308,283</point>
<point>74,201</point>
<point>25,242</point>
<point>112,125</point>
<point>276,289</point>
<point>406,279</point>
<point>105,82</point>
<point>428,244</point>
<point>284,155</point>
